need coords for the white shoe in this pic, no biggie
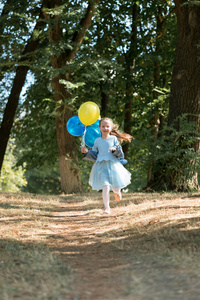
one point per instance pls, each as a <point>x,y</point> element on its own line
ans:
<point>106,210</point>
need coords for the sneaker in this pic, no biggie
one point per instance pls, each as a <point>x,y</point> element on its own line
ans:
<point>106,210</point>
<point>118,197</point>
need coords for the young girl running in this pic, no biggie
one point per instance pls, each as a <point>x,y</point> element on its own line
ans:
<point>107,172</point>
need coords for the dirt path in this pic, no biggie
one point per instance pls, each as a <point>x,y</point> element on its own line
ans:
<point>96,266</point>
<point>109,262</point>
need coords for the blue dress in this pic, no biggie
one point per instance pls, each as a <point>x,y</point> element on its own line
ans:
<point>107,170</point>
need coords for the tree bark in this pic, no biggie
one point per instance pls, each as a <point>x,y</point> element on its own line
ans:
<point>104,99</point>
<point>185,89</point>
<point>67,149</point>
<point>130,64</point>
<point>18,83</point>
<point>155,121</point>
<point>68,161</point>
<point>185,95</point>
<point>128,115</point>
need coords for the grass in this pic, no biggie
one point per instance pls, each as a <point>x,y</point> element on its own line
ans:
<point>31,272</point>
<point>162,223</point>
<point>150,230</point>
<point>29,269</point>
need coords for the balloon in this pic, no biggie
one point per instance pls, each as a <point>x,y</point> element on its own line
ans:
<point>96,124</point>
<point>88,113</point>
<point>75,127</point>
<point>92,133</point>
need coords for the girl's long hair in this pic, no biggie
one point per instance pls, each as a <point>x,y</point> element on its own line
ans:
<point>121,136</point>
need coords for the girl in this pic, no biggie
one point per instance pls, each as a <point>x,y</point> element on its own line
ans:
<point>107,172</point>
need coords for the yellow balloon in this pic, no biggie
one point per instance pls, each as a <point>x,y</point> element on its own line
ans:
<point>88,113</point>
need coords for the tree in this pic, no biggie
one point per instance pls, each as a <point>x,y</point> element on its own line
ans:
<point>70,176</point>
<point>18,83</point>
<point>114,36</point>
<point>184,108</point>
<point>70,179</point>
<point>111,60</point>
<point>157,120</point>
<point>130,58</point>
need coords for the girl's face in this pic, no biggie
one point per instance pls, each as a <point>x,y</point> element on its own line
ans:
<point>105,127</point>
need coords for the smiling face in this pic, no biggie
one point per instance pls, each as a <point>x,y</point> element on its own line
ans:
<point>105,128</point>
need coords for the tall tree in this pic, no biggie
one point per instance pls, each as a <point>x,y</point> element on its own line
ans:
<point>130,58</point>
<point>18,83</point>
<point>102,62</point>
<point>155,120</point>
<point>70,176</point>
<point>184,101</point>
<point>185,89</point>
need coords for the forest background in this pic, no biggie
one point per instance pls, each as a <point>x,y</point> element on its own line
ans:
<point>127,57</point>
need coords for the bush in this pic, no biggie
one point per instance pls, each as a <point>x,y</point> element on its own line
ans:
<point>12,178</point>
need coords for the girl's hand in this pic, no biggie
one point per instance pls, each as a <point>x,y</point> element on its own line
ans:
<point>113,149</point>
<point>84,150</point>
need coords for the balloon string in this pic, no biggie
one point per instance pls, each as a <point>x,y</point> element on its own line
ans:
<point>83,138</point>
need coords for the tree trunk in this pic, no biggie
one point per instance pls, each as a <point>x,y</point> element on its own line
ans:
<point>185,94</point>
<point>68,158</point>
<point>104,100</point>
<point>67,149</point>
<point>130,64</point>
<point>185,89</point>
<point>155,121</point>
<point>128,115</point>
<point>13,99</point>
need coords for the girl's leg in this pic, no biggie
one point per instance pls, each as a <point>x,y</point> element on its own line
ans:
<point>117,193</point>
<point>106,198</point>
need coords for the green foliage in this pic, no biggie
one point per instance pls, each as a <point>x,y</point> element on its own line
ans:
<point>12,179</point>
<point>85,169</point>
<point>137,163</point>
<point>43,180</point>
<point>100,66</point>
<point>175,163</point>
<point>174,156</point>
<point>34,129</point>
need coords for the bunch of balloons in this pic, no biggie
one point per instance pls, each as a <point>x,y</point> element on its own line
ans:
<point>86,124</point>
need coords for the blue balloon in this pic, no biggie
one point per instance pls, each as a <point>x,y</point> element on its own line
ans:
<point>75,127</point>
<point>92,133</point>
<point>96,124</point>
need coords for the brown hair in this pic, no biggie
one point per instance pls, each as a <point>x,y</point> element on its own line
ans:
<point>121,136</point>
